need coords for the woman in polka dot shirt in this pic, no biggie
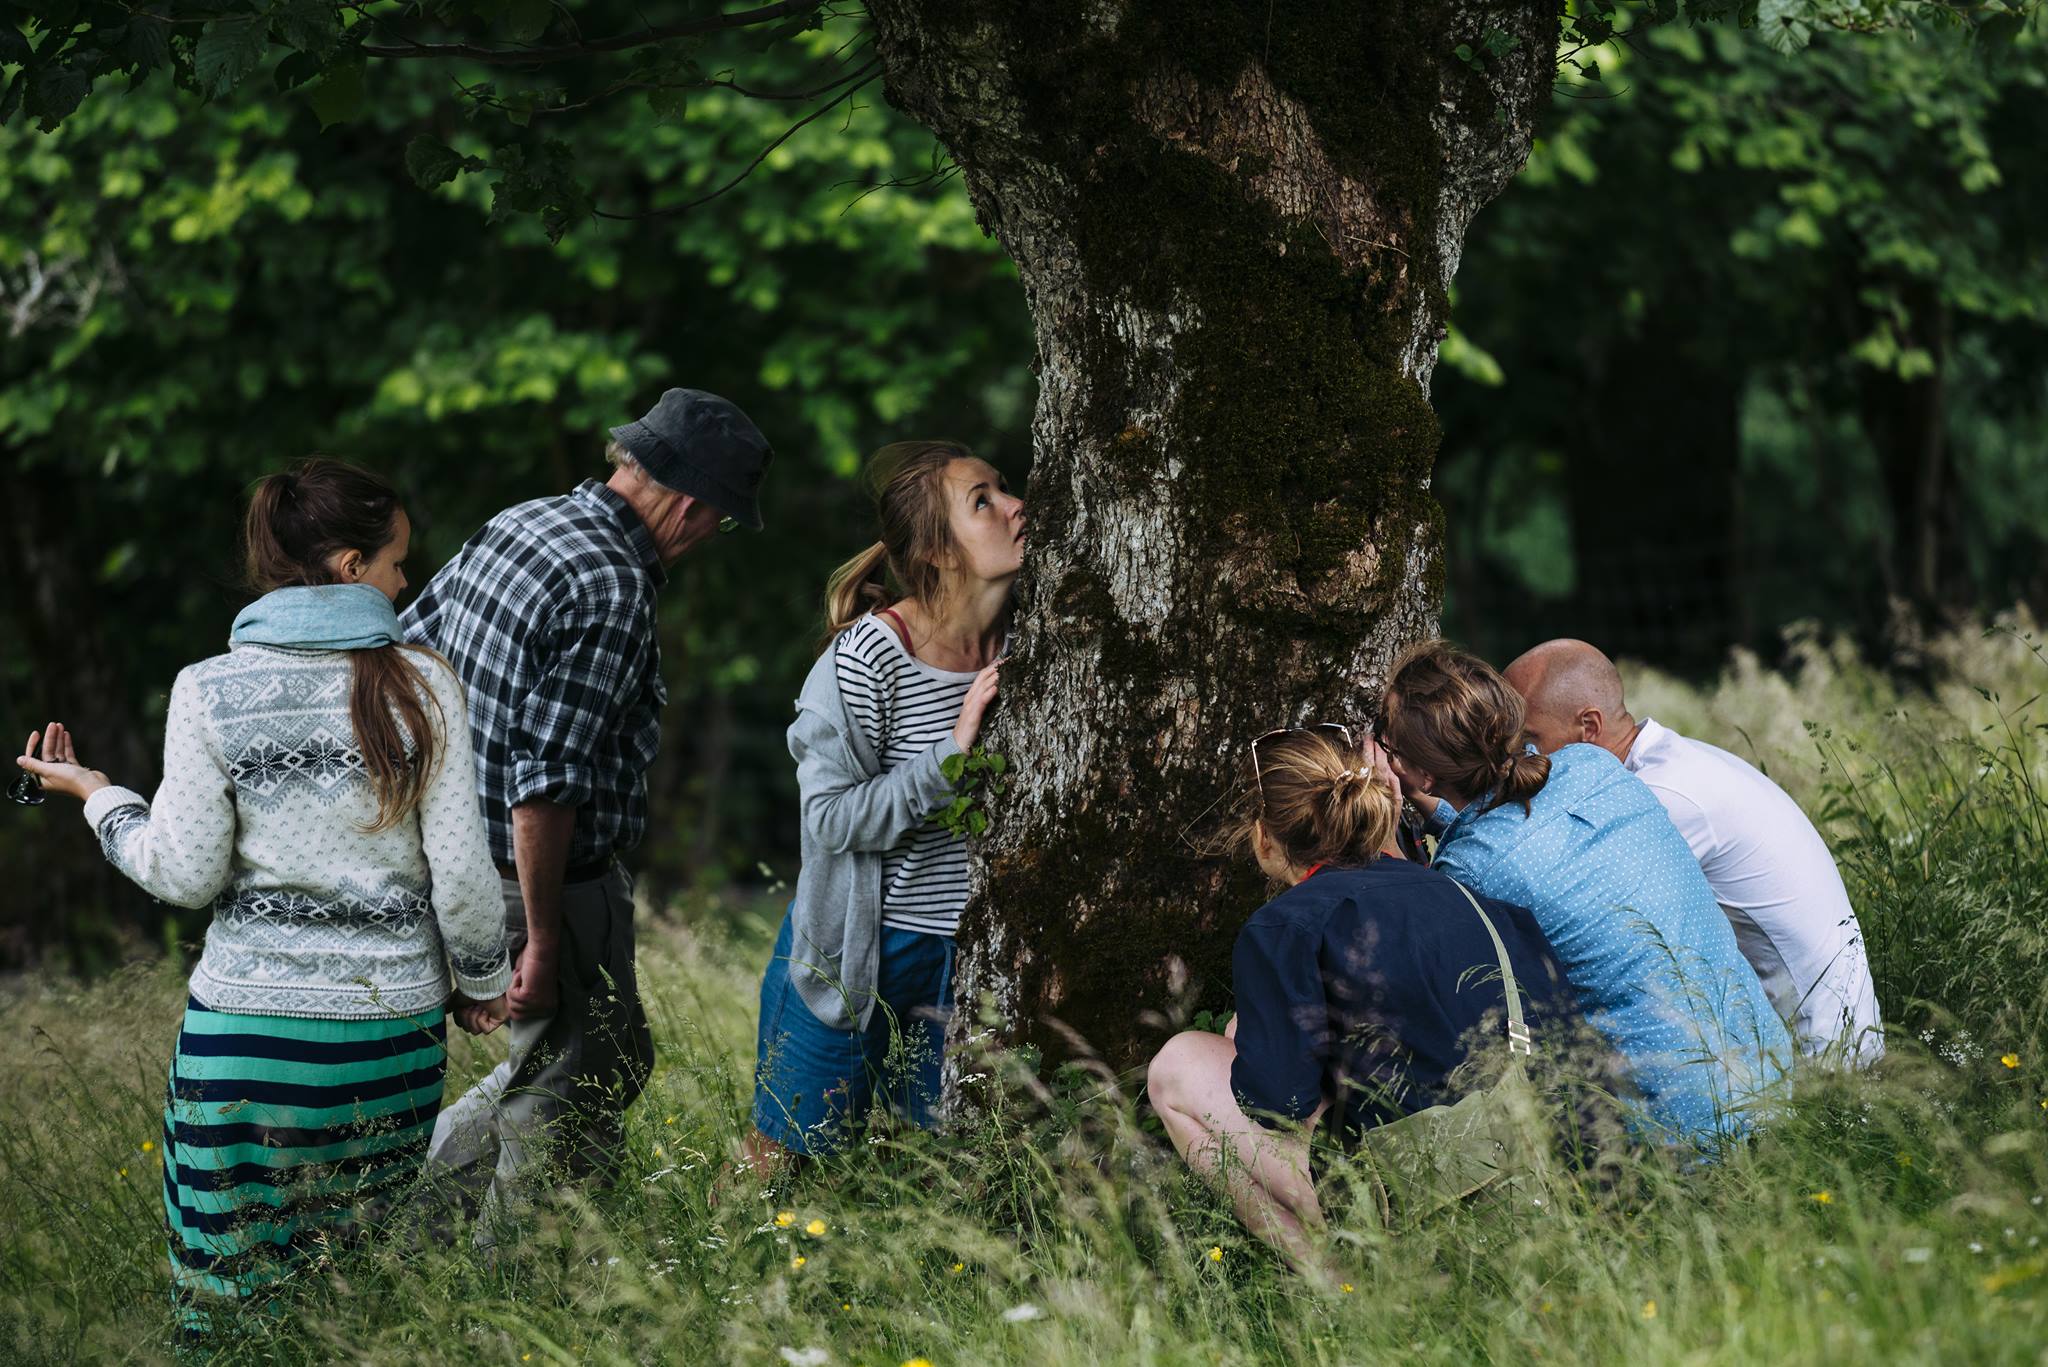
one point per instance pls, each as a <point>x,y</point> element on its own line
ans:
<point>1586,846</point>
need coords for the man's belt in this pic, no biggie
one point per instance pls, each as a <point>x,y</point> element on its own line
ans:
<point>589,872</point>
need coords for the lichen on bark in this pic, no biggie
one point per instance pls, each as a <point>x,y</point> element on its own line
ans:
<point>1236,224</point>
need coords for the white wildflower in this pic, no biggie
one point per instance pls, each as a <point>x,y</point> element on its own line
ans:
<point>1022,1314</point>
<point>1918,1255</point>
<point>804,1357</point>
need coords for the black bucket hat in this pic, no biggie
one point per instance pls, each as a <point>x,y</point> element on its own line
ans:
<point>699,444</point>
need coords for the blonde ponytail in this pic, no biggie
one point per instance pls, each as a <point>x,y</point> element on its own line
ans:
<point>855,589</point>
<point>1321,801</point>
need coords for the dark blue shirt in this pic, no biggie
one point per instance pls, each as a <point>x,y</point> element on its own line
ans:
<point>1370,986</point>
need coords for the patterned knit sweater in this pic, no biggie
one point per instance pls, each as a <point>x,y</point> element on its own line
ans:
<point>262,814</point>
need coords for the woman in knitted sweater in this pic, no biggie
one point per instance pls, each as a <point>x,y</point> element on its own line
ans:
<point>318,795</point>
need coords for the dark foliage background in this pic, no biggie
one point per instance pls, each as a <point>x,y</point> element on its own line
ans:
<point>1756,338</point>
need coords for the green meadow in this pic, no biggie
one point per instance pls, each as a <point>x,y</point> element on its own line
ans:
<point>1895,1217</point>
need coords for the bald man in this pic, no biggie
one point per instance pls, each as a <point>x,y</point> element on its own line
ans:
<point>1769,868</point>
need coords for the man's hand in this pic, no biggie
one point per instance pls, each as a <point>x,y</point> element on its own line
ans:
<point>540,847</point>
<point>478,1018</point>
<point>534,991</point>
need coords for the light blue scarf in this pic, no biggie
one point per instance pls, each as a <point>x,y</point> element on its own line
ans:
<point>319,617</point>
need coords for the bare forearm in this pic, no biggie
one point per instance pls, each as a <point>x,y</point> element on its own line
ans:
<point>540,847</point>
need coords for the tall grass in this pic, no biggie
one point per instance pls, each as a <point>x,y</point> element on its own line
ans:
<point>1896,1217</point>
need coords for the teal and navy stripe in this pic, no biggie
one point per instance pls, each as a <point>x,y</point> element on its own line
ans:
<point>278,1128</point>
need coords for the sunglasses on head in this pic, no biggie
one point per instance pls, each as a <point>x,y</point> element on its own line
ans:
<point>1342,731</point>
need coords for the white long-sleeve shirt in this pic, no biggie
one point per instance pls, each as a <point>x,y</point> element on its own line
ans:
<point>263,814</point>
<point>1776,880</point>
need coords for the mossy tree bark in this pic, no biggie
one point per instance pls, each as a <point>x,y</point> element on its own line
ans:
<point>1236,224</point>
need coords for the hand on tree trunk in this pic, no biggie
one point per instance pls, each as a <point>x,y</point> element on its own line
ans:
<point>974,707</point>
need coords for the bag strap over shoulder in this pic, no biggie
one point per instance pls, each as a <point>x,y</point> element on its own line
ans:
<point>1520,1041</point>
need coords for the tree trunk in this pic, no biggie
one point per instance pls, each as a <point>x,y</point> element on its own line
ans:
<point>1236,225</point>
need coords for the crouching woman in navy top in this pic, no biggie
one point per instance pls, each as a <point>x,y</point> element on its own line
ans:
<point>1360,988</point>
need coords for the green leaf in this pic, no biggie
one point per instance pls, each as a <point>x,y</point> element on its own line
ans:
<point>977,821</point>
<point>297,69</point>
<point>953,766</point>
<point>526,20</point>
<point>14,49</point>
<point>10,95</point>
<point>228,50</point>
<point>997,762</point>
<point>1784,25</point>
<point>431,162</point>
<point>146,45</point>
<point>339,98</point>
<point>668,103</point>
<point>309,25</point>
<point>53,92</point>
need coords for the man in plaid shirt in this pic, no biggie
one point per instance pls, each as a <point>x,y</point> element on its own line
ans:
<point>548,615</point>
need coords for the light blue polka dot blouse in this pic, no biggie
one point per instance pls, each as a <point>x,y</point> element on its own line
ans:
<point>1637,929</point>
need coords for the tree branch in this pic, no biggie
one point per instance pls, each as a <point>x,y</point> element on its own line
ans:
<point>866,73</point>
<point>491,56</point>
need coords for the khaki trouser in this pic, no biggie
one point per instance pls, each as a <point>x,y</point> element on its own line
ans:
<point>562,1093</point>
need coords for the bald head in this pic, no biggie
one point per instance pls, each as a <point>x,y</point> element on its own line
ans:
<point>1573,694</point>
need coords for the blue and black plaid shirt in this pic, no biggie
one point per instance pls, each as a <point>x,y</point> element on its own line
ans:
<point>547,614</point>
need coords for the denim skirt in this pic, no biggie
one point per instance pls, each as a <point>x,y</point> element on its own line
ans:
<point>814,1084</point>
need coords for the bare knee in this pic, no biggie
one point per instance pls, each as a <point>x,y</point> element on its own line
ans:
<point>1175,1067</point>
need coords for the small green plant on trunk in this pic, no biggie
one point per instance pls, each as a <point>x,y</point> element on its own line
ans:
<point>975,775</point>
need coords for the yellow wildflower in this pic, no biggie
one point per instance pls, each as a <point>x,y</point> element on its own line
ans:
<point>526,1357</point>
<point>1216,1254</point>
<point>657,1151</point>
<point>784,1219</point>
<point>1822,1198</point>
<point>815,1229</point>
<point>798,1261</point>
<point>846,1305</point>
<point>958,1268</point>
<point>1649,1310</point>
<point>1346,1288</point>
<point>918,1362</point>
<point>2009,1060</point>
<point>122,1173</point>
<point>149,1146</point>
<point>670,1121</point>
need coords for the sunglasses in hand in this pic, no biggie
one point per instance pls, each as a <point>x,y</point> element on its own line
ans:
<point>27,788</point>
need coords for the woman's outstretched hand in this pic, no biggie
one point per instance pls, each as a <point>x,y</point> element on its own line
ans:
<point>974,707</point>
<point>58,767</point>
<point>478,1018</point>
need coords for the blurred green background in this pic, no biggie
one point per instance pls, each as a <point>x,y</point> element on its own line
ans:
<point>1754,340</point>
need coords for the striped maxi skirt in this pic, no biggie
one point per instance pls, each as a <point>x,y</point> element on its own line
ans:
<point>280,1134</point>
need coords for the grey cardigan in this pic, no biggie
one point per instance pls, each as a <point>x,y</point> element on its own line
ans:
<point>853,813</point>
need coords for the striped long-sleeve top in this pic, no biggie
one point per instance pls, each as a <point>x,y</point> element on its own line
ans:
<point>904,707</point>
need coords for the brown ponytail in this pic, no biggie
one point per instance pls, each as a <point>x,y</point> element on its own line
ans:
<point>1320,800</point>
<point>1452,714</point>
<point>908,481</point>
<point>299,518</point>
